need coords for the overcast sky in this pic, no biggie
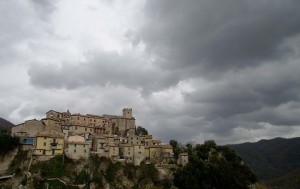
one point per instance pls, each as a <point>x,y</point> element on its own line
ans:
<point>191,70</point>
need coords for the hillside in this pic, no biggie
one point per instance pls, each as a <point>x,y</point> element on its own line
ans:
<point>5,125</point>
<point>273,159</point>
<point>95,172</point>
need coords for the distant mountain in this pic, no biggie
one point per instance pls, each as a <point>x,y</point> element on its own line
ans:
<point>273,161</point>
<point>5,125</point>
<point>291,180</point>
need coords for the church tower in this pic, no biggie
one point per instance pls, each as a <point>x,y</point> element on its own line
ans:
<point>127,112</point>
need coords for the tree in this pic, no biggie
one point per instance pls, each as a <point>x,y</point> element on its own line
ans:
<point>212,166</point>
<point>176,148</point>
<point>7,143</point>
<point>141,131</point>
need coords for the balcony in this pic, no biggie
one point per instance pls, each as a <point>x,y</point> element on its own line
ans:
<point>53,145</point>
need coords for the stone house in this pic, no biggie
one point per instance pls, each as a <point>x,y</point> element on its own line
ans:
<point>77,147</point>
<point>183,158</point>
<point>27,132</point>
<point>49,143</point>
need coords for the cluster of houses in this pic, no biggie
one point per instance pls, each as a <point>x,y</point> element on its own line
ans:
<point>78,136</point>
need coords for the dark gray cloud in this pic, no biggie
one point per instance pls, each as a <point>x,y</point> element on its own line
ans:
<point>191,70</point>
<point>219,36</point>
<point>103,69</point>
<point>250,91</point>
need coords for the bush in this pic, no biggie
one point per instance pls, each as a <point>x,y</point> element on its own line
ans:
<point>166,183</point>
<point>98,179</point>
<point>15,165</point>
<point>149,171</point>
<point>129,171</point>
<point>54,167</point>
<point>7,143</point>
<point>38,183</point>
<point>82,178</point>
<point>112,170</point>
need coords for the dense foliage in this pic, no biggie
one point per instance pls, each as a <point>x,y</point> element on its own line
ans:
<point>97,170</point>
<point>141,131</point>
<point>212,166</point>
<point>176,148</point>
<point>7,143</point>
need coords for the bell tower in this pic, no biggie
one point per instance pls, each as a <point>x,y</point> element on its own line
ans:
<point>127,112</point>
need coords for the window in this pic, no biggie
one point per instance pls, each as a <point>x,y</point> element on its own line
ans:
<point>44,143</point>
<point>74,150</point>
<point>85,129</point>
<point>75,145</point>
<point>91,130</point>
<point>76,128</point>
<point>78,118</point>
<point>84,151</point>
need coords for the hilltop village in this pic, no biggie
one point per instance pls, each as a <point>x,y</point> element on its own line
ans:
<point>78,136</point>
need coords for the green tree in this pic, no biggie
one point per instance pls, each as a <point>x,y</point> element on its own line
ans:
<point>141,131</point>
<point>7,143</point>
<point>176,148</point>
<point>212,166</point>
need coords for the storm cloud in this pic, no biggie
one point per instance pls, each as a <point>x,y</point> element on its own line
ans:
<point>191,70</point>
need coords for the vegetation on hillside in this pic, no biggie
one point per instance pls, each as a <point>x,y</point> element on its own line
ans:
<point>276,162</point>
<point>61,172</point>
<point>7,143</point>
<point>212,166</point>
<point>209,166</point>
<point>291,180</point>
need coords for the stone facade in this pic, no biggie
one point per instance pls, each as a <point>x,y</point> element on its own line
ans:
<point>78,136</point>
<point>78,147</point>
<point>183,158</point>
<point>49,143</point>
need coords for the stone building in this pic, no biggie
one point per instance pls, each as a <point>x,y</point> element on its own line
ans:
<point>49,143</point>
<point>27,132</point>
<point>77,147</point>
<point>138,153</point>
<point>183,159</point>
<point>78,136</point>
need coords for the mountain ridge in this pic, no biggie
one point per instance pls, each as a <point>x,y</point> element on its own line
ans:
<point>5,124</point>
<point>271,159</point>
